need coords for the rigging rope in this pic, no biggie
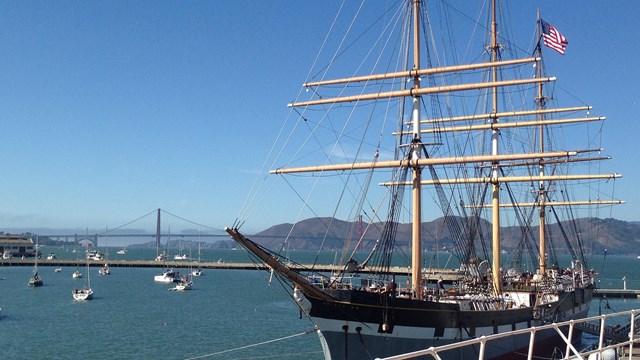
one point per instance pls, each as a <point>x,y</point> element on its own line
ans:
<point>253,345</point>
<point>453,222</point>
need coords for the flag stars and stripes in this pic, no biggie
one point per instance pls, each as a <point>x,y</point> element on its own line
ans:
<point>552,38</point>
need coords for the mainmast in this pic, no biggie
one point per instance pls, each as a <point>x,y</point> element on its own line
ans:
<point>495,201</point>
<point>542,261</point>
<point>416,148</point>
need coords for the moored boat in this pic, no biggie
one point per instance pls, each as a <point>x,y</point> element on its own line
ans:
<point>35,280</point>
<point>197,272</point>
<point>95,255</point>
<point>180,257</point>
<point>482,168</point>
<point>184,283</point>
<point>84,293</point>
<point>104,270</point>
<point>167,276</point>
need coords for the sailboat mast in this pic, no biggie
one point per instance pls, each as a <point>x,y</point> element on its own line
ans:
<point>158,234</point>
<point>35,266</point>
<point>416,248</point>
<point>495,201</point>
<point>541,185</point>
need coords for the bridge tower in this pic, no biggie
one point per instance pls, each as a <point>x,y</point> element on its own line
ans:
<point>93,239</point>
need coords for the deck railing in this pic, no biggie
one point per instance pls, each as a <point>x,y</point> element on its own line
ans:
<point>607,327</point>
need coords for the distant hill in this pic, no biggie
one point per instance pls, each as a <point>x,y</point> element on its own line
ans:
<point>618,237</point>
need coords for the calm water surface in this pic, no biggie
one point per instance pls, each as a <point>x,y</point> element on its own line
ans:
<point>226,312</point>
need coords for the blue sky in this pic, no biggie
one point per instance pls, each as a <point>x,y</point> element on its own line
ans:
<point>111,109</point>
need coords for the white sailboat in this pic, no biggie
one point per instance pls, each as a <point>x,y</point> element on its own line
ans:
<point>35,280</point>
<point>182,255</point>
<point>198,270</point>
<point>77,274</point>
<point>84,293</point>
<point>481,165</point>
<point>105,270</point>
<point>169,275</point>
<point>184,283</point>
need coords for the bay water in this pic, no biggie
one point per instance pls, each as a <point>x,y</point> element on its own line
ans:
<point>229,314</point>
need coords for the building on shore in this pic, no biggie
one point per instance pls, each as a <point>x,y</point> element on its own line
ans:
<point>17,246</point>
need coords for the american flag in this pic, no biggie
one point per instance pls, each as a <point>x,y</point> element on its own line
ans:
<point>552,38</point>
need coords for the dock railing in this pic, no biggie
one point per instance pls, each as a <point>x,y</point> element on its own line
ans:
<point>604,326</point>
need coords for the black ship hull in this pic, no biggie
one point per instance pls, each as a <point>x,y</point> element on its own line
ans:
<point>366,325</point>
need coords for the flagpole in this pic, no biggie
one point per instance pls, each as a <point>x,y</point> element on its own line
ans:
<point>538,32</point>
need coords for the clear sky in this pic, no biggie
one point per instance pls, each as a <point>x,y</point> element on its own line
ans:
<point>110,109</point>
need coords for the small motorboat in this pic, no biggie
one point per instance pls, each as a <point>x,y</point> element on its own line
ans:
<point>197,272</point>
<point>168,276</point>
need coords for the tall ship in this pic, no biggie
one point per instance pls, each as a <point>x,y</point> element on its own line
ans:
<point>407,133</point>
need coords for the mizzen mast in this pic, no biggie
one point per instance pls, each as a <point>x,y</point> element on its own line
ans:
<point>542,261</point>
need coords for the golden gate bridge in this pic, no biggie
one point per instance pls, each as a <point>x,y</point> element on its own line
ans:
<point>149,226</point>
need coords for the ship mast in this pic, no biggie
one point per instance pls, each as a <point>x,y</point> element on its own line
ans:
<point>542,261</point>
<point>416,148</point>
<point>495,201</point>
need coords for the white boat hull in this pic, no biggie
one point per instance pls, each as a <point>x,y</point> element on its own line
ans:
<point>197,272</point>
<point>81,295</point>
<point>183,287</point>
<point>163,279</point>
